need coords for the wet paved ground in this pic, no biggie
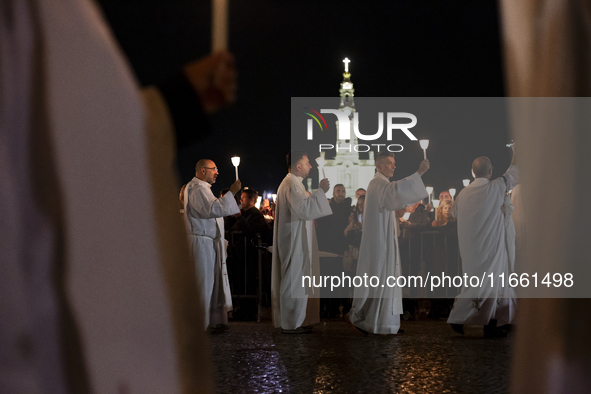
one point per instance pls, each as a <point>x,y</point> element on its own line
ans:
<point>429,358</point>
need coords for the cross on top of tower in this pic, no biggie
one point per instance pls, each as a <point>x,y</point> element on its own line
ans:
<point>346,61</point>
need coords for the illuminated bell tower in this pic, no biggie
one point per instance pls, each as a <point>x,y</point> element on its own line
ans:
<point>347,92</point>
<point>346,167</point>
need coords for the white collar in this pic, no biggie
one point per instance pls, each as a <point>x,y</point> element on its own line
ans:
<point>380,175</point>
<point>201,183</point>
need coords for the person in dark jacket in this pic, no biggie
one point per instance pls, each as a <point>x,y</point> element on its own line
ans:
<point>250,220</point>
<point>330,233</point>
<point>330,229</point>
<point>243,256</point>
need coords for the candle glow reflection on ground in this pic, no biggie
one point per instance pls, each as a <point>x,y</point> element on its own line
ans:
<point>428,358</point>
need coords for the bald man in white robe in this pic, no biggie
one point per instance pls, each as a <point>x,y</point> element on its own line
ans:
<point>483,248</point>
<point>202,210</point>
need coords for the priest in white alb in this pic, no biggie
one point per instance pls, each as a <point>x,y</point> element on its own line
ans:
<point>377,309</point>
<point>484,251</point>
<point>295,252</point>
<point>202,210</point>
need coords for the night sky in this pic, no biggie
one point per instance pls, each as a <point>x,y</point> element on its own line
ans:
<point>295,49</point>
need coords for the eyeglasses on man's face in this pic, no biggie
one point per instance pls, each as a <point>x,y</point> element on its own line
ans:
<point>211,168</point>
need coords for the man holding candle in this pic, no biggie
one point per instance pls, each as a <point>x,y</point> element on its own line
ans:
<point>483,248</point>
<point>201,211</point>
<point>377,309</point>
<point>295,252</point>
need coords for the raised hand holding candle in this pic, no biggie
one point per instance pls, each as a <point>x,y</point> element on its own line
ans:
<point>424,146</point>
<point>236,162</point>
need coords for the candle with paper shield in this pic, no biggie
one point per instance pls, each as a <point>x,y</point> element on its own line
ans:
<point>424,146</point>
<point>406,216</point>
<point>429,192</point>
<point>236,162</point>
<point>435,203</point>
<point>274,197</point>
<point>452,192</point>
<point>320,162</point>
<point>466,182</point>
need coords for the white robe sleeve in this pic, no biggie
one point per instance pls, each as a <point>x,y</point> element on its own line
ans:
<point>403,193</point>
<point>207,206</point>
<point>508,181</point>
<point>309,208</point>
<point>511,177</point>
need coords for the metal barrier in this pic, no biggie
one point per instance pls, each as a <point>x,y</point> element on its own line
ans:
<point>453,264</point>
<point>241,253</point>
<point>241,250</point>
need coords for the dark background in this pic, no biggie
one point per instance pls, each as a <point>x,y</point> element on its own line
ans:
<point>295,49</point>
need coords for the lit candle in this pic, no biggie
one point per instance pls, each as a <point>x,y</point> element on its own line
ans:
<point>320,161</point>
<point>424,145</point>
<point>236,162</point>
<point>466,182</point>
<point>429,191</point>
<point>274,197</point>
<point>435,203</point>
<point>452,191</point>
<point>219,25</point>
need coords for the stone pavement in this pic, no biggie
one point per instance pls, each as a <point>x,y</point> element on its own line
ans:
<point>429,358</point>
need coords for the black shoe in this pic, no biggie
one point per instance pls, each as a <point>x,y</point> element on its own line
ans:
<point>299,330</point>
<point>218,329</point>
<point>459,328</point>
<point>353,326</point>
<point>496,332</point>
<point>491,330</point>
